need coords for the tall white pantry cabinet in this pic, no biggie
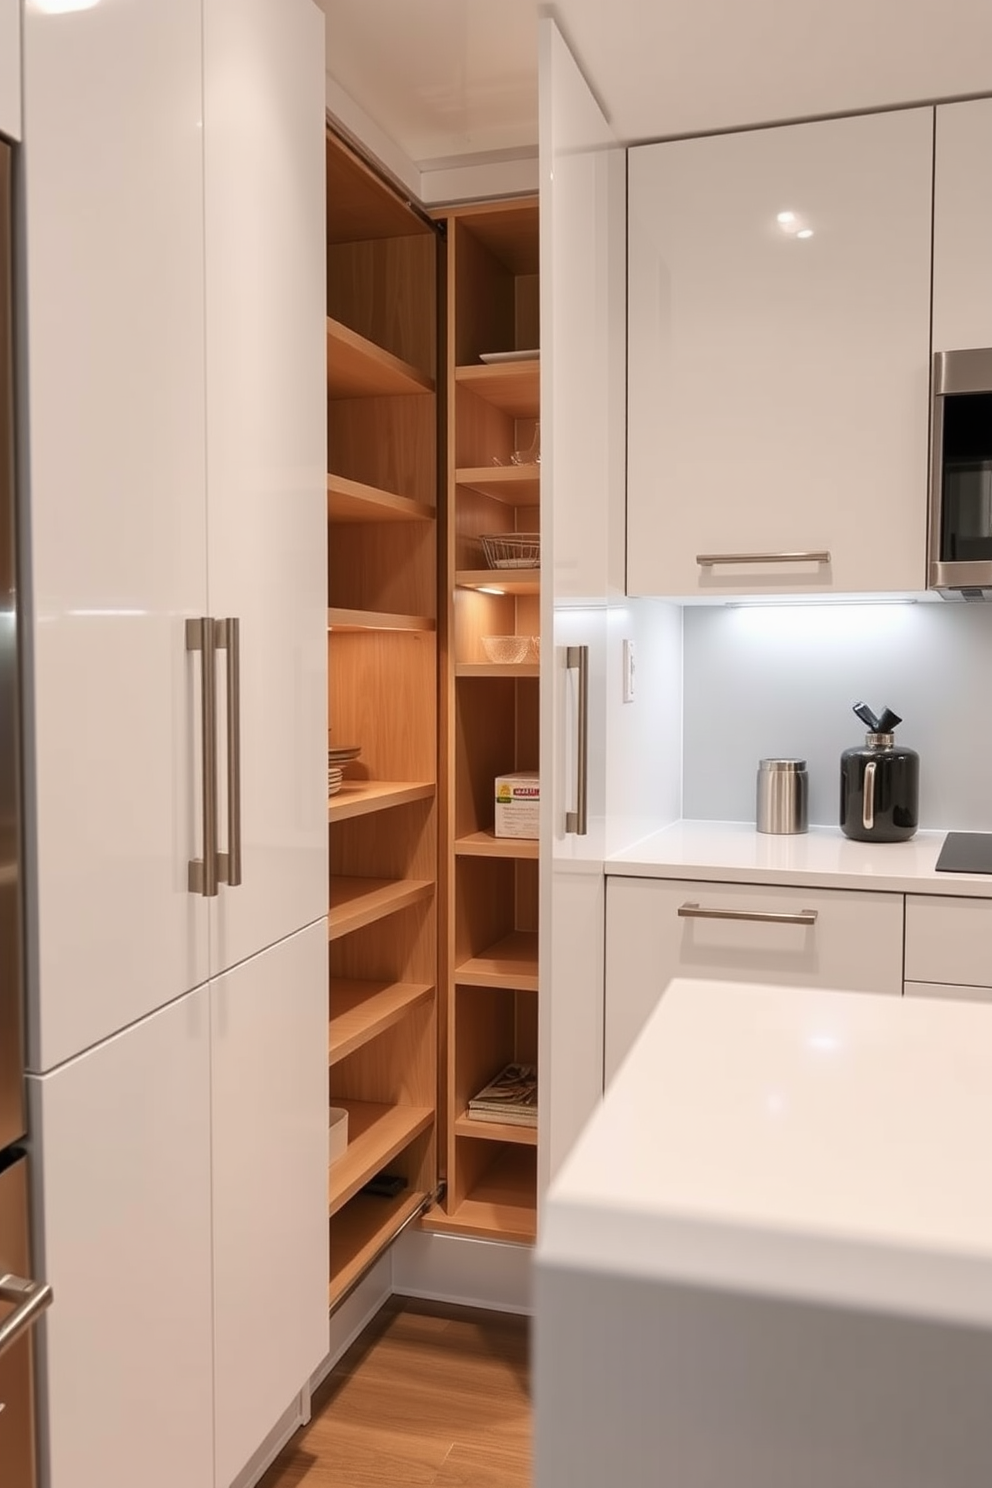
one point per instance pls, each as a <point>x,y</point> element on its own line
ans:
<point>173,468</point>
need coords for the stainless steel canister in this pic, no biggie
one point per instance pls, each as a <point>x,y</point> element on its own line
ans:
<point>783,795</point>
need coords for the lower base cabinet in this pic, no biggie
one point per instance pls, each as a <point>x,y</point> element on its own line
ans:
<point>181,1217</point>
<point>657,929</point>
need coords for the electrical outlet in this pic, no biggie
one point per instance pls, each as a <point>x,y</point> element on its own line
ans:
<point>628,671</point>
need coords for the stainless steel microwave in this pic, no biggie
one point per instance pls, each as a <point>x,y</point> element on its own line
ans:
<point>960,541</point>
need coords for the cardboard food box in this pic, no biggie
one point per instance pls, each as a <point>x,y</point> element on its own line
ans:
<point>518,804</point>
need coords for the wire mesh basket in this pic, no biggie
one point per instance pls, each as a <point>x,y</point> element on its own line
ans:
<point>512,549</point>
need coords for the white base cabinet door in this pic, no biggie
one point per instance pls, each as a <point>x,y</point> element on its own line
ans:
<point>264,128</point>
<point>268,1022</point>
<point>113,556</point>
<point>121,1174</point>
<point>779,359</point>
<point>803,937</point>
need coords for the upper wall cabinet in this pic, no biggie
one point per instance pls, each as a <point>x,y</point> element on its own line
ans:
<point>779,318</point>
<point>962,226</point>
<point>10,68</point>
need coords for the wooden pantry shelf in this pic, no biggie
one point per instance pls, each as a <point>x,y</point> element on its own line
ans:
<point>360,797</point>
<point>507,580</point>
<point>501,1206</point>
<point>515,485</point>
<point>376,1133</point>
<point>360,1230</point>
<point>496,1131</point>
<point>488,845</point>
<point>510,962</point>
<point>359,1011</point>
<point>338,619</point>
<point>361,901</point>
<point>357,368</point>
<point>512,387</point>
<point>353,501</point>
<point>497,669</point>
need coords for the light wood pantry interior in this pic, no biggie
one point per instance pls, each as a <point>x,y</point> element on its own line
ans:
<point>489,707</point>
<point>382,633</point>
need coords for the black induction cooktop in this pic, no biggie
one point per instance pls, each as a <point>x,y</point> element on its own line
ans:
<point>966,852</point>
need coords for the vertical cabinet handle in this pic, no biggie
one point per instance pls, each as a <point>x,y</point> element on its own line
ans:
<point>868,809</point>
<point>202,872</point>
<point>229,640</point>
<point>577,821</point>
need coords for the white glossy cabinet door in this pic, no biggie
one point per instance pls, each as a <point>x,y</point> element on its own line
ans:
<point>854,942</point>
<point>270,1234</point>
<point>122,1231</point>
<point>948,939</point>
<point>778,384</point>
<point>266,451</point>
<point>113,554</point>
<point>962,226</point>
<point>582,485</point>
<point>10,69</point>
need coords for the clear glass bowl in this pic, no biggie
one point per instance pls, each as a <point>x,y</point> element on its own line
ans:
<point>507,650</point>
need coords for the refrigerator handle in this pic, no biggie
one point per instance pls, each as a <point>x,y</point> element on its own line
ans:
<point>31,1297</point>
<point>201,636</point>
<point>229,640</point>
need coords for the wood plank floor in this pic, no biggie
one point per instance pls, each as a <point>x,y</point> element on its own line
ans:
<point>429,1396</point>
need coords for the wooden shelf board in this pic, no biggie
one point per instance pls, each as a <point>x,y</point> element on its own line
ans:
<point>361,901</point>
<point>377,620</point>
<point>497,669</point>
<point>509,580</point>
<point>510,962</point>
<point>359,797</point>
<point>512,387</point>
<point>357,368</point>
<point>353,501</point>
<point>376,1133</point>
<point>359,1011</point>
<point>488,845</point>
<point>515,485</point>
<point>502,1206</point>
<point>360,1230</point>
<point>496,1131</point>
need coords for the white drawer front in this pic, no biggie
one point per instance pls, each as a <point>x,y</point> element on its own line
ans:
<point>949,940</point>
<point>950,993</point>
<point>853,943</point>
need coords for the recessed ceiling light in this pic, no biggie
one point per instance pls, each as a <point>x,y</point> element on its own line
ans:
<point>488,589</point>
<point>785,218</point>
<point>805,232</point>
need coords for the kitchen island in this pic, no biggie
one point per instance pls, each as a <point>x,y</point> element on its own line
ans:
<point>767,1262</point>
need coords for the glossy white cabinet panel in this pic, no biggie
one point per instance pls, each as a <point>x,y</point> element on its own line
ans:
<point>121,1171</point>
<point>113,556</point>
<point>10,68</point>
<point>948,991</point>
<point>270,1235</point>
<point>949,940</point>
<point>962,226</point>
<point>853,944</point>
<point>266,452</point>
<point>582,211</point>
<point>778,384</point>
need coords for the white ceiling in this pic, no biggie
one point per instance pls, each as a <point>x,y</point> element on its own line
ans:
<point>455,78</point>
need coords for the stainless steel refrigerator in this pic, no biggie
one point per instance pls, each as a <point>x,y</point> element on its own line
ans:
<point>21,1299</point>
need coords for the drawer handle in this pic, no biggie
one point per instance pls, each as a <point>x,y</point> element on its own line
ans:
<point>710,560</point>
<point>764,916</point>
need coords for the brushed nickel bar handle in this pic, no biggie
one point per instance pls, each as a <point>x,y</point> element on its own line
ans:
<point>710,560</point>
<point>577,821</point>
<point>202,872</point>
<point>229,640</point>
<point>868,804</point>
<point>763,916</point>
<point>31,1297</point>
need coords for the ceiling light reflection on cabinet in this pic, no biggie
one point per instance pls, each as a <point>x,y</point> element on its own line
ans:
<point>62,7</point>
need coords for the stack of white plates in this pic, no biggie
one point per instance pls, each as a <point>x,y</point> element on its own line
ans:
<point>336,760</point>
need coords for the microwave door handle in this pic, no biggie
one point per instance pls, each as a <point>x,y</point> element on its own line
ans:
<point>31,1298</point>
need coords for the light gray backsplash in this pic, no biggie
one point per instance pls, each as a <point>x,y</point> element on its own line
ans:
<point>780,680</point>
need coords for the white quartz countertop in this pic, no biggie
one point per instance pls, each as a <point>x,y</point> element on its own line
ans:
<point>793,1142</point>
<point>822,858</point>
